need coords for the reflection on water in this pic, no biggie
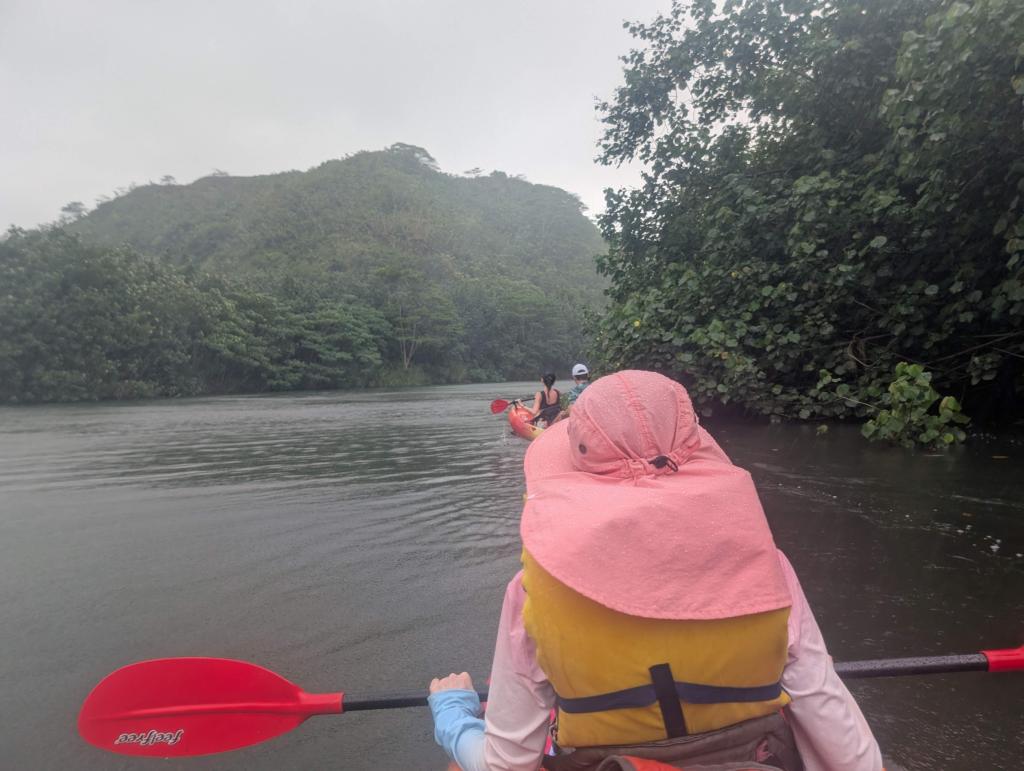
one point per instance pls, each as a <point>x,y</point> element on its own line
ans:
<point>362,541</point>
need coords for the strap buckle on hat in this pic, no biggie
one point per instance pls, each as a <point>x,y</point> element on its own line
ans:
<point>660,461</point>
<point>656,466</point>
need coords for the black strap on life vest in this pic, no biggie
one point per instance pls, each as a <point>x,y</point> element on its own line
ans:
<point>668,700</point>
<point>662,683</point>
<point>689,693</point>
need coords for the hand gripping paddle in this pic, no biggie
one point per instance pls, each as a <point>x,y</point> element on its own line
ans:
<point>197,706</point>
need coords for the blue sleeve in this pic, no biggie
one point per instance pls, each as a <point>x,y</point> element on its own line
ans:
<point>458,727</point>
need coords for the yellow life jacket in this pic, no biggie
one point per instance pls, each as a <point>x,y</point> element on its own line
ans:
<point>725,670</point>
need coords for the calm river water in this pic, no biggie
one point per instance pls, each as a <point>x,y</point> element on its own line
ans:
<point>362,541</point>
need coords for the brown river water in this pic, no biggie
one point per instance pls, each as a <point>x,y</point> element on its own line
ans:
<point>362,541</point>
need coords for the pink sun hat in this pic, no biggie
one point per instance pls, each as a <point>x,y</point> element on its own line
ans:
<point>632,504</point>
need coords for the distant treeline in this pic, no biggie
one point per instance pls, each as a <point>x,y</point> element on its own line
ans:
<point>87,322</point>
<point>375,270</point>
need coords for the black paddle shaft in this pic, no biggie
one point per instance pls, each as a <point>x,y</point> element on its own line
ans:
<point>918,665</point>
<point>354,703</point>
<point>848,670</point>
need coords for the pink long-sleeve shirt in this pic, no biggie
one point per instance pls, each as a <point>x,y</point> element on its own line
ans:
<point>830,730</point>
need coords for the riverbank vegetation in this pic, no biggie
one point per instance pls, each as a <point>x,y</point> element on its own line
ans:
<point>378,269</point>
<point>834,187</point>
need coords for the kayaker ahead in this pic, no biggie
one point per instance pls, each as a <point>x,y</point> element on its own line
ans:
<point>546,402</point>
<point>653,610</point>
<point>581,379</point>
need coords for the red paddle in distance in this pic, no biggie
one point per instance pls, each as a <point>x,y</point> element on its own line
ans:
<point>198,706</point>
<point>500,405</point>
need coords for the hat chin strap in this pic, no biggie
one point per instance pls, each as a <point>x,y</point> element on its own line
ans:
<point>664,463</point>
<point>656,466</point>
<point>661,461</point>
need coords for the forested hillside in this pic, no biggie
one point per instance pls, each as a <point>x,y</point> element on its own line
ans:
<point>374,269</point>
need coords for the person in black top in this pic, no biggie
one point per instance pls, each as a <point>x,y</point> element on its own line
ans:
<point>546,403</point>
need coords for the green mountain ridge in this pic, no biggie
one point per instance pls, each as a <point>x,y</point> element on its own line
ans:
<point>347,215</point>
<point>376,269</point>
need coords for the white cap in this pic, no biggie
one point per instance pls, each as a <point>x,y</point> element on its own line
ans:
<point>579,370</point>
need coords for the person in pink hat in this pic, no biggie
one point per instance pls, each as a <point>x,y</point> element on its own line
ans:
<point>653,614</point>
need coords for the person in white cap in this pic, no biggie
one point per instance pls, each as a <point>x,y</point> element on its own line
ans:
<point>581,378</point>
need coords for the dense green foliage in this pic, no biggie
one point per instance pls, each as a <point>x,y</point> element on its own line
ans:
<point>86,322</point>
<point>833,187</point>
<point>908,417</point>
<point>376,269</point>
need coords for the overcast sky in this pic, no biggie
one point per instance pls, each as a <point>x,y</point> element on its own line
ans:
<point>96,95</point>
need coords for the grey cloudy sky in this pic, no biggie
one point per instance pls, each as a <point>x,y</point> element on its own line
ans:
<point>100,94</point>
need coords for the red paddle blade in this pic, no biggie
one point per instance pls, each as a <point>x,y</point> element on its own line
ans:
<point>498,405</point>
<point>194,706</point>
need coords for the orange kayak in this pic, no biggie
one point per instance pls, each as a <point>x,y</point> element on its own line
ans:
<point>519,419</point>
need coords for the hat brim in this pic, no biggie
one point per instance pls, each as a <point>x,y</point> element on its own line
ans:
<point>690,545</point>
<point>549,454</point>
